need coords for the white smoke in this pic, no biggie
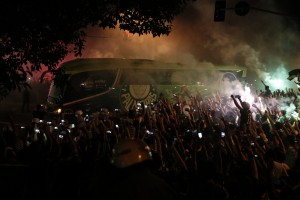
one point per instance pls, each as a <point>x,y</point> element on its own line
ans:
<point>263,42</point>
<point>259,41</point>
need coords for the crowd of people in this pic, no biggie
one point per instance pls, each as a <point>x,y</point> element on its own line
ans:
<point>201,148</point>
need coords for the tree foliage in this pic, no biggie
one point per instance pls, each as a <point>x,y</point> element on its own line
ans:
<point>38,33</point>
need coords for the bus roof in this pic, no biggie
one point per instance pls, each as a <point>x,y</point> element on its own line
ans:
<point>91,64</point>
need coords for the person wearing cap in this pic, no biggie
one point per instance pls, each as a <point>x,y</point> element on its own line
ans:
<point>132,176</point>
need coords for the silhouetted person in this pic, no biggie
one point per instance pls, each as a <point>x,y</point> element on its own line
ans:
<point>26,100</point>
<point>132,177</point>
<point>39,112</point>
<point>267,92</point>
<point>245,112</point>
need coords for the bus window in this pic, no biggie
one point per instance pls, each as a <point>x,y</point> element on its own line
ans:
<point>89,83</point>
<point>122,83</point>
<point>161,76</point>
<point>55,92</point>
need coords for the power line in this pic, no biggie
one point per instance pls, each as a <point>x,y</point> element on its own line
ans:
<point>274,12</point>
<point>242,8</point>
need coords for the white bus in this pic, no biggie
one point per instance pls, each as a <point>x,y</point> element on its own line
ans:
<point>115,83</point>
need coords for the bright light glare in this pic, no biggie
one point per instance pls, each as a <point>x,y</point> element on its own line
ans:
<point>248,96</point>
<point>276,83</point>
<point>58,111</point>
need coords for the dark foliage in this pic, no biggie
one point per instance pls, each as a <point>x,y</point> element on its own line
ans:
<point>36,34</point>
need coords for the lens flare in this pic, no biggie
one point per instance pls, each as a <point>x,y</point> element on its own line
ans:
<point>248,95</point>
<point>277,83</point>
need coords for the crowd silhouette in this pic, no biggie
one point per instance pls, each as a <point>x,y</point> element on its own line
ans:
<point>205,148</point>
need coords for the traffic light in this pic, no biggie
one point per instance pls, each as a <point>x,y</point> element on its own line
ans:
<point>242,8</point>
<point>220,8</point>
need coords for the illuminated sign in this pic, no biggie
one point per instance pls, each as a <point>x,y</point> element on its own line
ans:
<point>133,94</point>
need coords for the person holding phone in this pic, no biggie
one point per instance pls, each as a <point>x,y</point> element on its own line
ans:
<point>245,112</point>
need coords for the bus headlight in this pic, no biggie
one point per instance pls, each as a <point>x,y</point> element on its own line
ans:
<point>57,111</point>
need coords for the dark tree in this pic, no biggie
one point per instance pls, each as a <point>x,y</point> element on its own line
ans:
<point>37,33</point>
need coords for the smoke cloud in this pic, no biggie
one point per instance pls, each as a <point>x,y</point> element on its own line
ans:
<point>267,44</point>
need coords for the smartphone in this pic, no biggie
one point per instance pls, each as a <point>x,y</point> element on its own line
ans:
<point>222,134</point>
<point>37,130</point>
<point>200,135</point>
<point>86,118</point>
<point>149,132</point>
